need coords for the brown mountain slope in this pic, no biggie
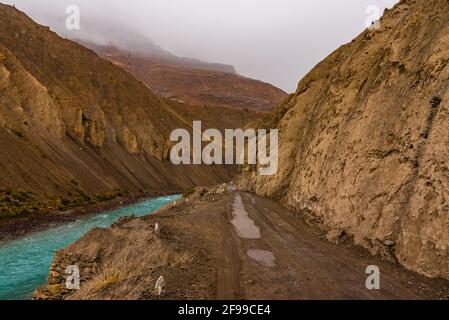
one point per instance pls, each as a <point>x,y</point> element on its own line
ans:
<point>197,85</point>
<point>364,143</point>
<point>73,122</point>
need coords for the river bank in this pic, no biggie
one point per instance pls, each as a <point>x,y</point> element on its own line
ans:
<point>20,226</point>
<point>205,248</point>
<point>25,261</point>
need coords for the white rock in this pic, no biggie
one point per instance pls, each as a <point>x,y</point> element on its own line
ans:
<point>160,284</point>
<point>389,243</point>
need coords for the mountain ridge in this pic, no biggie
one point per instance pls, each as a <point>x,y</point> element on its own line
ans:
<point>195,84</point>
<point>72,122</point>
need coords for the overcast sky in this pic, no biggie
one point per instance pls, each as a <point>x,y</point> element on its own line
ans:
<point>277,41</point>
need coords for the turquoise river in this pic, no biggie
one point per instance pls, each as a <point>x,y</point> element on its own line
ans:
<point>25,262</point>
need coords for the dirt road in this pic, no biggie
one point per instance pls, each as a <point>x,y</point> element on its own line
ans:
<point>263,251</point>
<point>229,245</point>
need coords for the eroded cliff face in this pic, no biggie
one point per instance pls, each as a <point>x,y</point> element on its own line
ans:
<point>364,141</point>
<point>72,122</point>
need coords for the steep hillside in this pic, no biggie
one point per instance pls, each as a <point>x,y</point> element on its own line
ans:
<point>73,123</point>
<point>364,143</point>
<point>197,84</point>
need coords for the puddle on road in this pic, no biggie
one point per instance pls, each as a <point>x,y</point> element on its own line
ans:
<point>247,229</point>
<point>244,225</point>
<point>265,258</point>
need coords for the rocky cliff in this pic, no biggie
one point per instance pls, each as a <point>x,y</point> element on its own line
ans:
<point>73,122</point>
<point>364,143</point>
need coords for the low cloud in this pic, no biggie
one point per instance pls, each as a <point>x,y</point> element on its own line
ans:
<point>277,41</point>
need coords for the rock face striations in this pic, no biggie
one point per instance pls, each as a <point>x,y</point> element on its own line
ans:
<point>72,121</point>
<point>364,141</point>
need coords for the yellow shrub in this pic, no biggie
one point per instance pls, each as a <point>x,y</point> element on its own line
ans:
<point>107,278</point>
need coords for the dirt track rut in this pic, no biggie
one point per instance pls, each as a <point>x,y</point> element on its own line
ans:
<point>290,260</point>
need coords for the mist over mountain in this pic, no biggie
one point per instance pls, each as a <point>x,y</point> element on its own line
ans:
<point>275,41</point>
<point>83,125</point>
<point>131,40</point>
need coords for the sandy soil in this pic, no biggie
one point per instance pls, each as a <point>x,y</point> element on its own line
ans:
<point>233,246</point>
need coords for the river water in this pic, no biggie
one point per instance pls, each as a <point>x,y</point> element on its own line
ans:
<point>25,262</point>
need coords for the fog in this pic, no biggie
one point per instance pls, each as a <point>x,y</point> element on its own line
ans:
<point>276,41</point>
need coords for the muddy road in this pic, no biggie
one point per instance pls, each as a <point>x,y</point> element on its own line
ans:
<point>234,245</point>
<point>266,252</point>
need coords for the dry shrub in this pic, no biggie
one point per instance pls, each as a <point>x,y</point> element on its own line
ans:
<point>106,278</point>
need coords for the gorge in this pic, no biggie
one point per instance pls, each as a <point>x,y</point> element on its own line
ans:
<point>361,158</point>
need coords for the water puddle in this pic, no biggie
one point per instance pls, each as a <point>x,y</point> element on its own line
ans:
<point>265,258</point>
<point>244,225</point>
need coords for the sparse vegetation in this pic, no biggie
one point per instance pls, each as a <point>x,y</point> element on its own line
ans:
<point>108,277</point>
<point>19,133</point>
<point>189,192</point>
<point>23,203</point>
<point>435,101</point>
<point>400,66</point>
